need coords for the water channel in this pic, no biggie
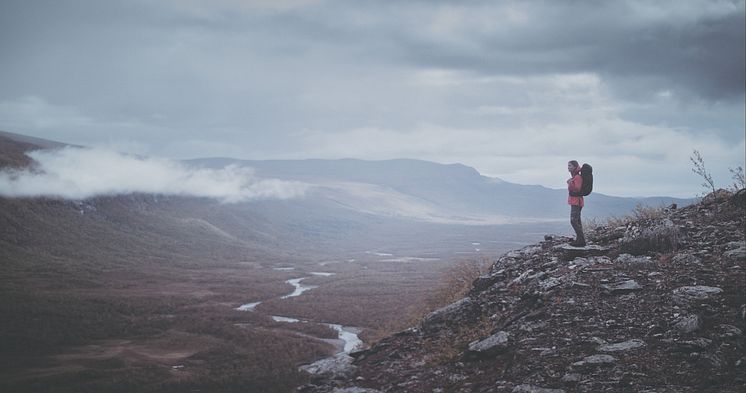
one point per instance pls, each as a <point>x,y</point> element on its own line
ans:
<point>346,334</point>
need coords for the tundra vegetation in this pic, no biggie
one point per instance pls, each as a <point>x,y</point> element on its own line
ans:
<point>137,293</point>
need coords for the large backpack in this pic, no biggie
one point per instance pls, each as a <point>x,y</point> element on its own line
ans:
<point>586,172</point>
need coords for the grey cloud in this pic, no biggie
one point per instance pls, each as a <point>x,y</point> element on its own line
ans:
<point>252,79</point>
<point>698,50</point>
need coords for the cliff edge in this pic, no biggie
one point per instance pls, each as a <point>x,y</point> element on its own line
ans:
<point>656,304</point>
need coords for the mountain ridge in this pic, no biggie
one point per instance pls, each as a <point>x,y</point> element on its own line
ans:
<point>451,186</point>
<point>407,188</point>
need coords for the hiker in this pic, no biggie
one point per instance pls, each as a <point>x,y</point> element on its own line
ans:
<point>574,185</point>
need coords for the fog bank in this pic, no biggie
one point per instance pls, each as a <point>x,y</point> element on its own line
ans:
<point>80,173</point>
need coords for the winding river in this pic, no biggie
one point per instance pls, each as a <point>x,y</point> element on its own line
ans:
<point>347,340</point>
<point>299,288</point>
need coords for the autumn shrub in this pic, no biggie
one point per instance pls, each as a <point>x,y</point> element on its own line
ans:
<point>639,213</point>
<point>454,284</point>
<point>456,281</point>
<point>650,236</point>
<point>446,348</point>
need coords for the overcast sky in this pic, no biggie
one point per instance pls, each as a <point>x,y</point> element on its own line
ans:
<point>514,89</point>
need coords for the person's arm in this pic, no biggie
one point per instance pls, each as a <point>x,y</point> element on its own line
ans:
<point>575,184</point>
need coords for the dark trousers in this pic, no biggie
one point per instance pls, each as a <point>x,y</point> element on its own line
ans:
<point>576,223</point>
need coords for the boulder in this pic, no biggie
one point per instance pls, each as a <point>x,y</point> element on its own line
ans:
<point>622,286</point>
<point>688,324</point>
<point>339,366</point>
<point>490,346</point>
<point>652,236</point>
<point>534,389</point>
<point>595,361</point>
<point>685,295</point>
<point>696,345</point>
<point>686,259</point>
<point>711,360</point>
<point>485,281</point>
<point>728,331</point>
<point>569,252</point>
<point>450,314</point>
<point>571,378</point>
<point>591,261</point>
<point>739,198</point>
<point>736,251</point>
<point>355,389</point>
<point>622,346</point>
<point>635,262</point>
<point>549,283</point>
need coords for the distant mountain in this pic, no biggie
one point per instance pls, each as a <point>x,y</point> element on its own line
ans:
<point>352,204</point>
<point>434,192</point>
<point>30,141</point>
<point>403,189</point>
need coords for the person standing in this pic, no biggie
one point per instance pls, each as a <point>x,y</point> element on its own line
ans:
<point>574,184</point>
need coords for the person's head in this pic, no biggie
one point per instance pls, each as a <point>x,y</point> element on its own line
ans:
<point>573,166</point>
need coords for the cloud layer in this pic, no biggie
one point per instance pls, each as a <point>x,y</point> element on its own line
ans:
<point>329,78</point>
<point>76,173</point>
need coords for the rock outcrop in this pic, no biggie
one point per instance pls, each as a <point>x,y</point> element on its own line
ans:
<point>654,305</point>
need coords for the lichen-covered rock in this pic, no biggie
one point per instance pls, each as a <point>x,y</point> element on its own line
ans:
<point>450,314</point>
<point>718,196</point>
<point>534,389</point>
<point>696,345</point>
<point>355,389</point>
<point>653,236</point>
<point>635,262</point>
<point>736,251</point>
<point>686,259</point>
<point>595,361</point>
<point>487,280</point>
<point>728,331</point>
<point>685,295</point>
<point>590,261</point>
<point>622,286</point>
<point>571,378</point>
<point>688,324</point>
<point>622,346</point>
<point>550,283</point>
<point>490,346</point>
<point>569,252</point>
<point>339,366</point>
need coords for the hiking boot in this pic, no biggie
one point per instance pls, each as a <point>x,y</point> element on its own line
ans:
<point>577,244</point>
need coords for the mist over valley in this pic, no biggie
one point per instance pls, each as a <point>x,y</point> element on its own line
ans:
<point>234,273</point>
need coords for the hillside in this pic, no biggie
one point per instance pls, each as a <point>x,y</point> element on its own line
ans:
<point>657,304</point>
<point>143,292</point>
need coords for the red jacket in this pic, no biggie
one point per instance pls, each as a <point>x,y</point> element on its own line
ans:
<point>574,185</point>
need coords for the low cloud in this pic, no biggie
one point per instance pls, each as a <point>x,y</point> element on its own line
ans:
<point>78,173</point>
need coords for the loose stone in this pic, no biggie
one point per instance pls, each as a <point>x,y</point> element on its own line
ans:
<point>684,295</point>
<point>624,286</point>
<point>491,345</point>
<point>688,324</point>
<point>535,389</point>
<point>622,346</point>
<point>595,360</point>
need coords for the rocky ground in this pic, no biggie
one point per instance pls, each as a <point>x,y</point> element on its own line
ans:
<point>655,304</point>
